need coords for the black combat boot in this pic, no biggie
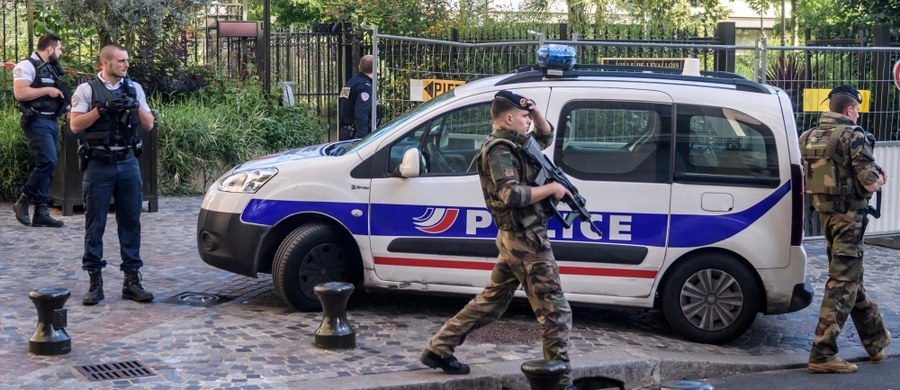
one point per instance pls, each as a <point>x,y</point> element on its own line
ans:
<point>95,292</point>
<point>42,217</point>
<point>449,364</point>
<point>21,209</point>
<point>132,289</point>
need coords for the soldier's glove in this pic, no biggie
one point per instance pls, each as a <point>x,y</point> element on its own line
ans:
<point>108,107</point>
<point>116,105</point>
<point>126,103</point>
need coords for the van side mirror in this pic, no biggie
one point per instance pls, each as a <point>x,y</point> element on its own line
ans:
<point>411,165</point>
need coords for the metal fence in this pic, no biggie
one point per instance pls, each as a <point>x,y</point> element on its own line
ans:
<point>805,73</point>
<point>802,71</point>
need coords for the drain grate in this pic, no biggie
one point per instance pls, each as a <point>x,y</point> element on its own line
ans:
<point>197,299</point>
<point>113,371</point>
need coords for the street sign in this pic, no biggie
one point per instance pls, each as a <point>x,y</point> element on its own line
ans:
<point>425,90</point>
<point>671,63</point>
<point>816,100</point>
<point>897,74</point>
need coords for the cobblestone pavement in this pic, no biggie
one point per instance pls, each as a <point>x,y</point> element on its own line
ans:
<point>254,341</point>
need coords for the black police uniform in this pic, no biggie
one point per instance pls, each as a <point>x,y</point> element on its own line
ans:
<point>112,171</point>
<point>355,104</point>
<point>39,121</point>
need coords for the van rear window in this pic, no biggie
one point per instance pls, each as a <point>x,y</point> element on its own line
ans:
<point>723,145</point>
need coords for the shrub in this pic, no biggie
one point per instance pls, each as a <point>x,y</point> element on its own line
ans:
<point>15,157</point>
<point>200,136</point>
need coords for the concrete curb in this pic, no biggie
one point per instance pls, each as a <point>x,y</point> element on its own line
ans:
<point>637,369</point>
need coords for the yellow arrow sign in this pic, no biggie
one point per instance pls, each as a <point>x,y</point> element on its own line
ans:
<point>432,88</point>
<point>816,100</point>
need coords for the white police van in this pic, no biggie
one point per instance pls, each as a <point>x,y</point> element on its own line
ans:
<point>694,180</point>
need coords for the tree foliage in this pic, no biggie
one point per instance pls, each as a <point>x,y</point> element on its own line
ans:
<point>818,16</point>
<point>125,21</point>
<point>402,17</point>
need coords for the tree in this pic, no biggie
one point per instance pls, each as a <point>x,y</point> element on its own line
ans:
<point>401,17</point>
<point>149,29</point>
<point>124,21</point>
<point>821,15</point>
<point>296,13</point>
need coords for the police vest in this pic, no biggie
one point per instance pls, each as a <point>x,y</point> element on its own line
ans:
<point>118,129</point>
<point>830,182</point>
<point>505,217</point>
<point>44,76</point>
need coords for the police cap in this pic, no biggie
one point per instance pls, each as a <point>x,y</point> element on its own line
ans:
<point>517,100</point>
<point>846,90</point>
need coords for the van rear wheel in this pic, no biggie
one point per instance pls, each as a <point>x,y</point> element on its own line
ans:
<point>712,298</point>
<point>310,255</point>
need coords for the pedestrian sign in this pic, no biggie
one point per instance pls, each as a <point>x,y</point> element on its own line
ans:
<point>427,89</point>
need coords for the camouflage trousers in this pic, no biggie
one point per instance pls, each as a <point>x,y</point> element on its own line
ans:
<point>537,273</point>
<point>845,294</point>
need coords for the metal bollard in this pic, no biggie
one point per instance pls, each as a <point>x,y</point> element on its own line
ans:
<point>544,374</point>
<point>50,337</point>
<point>686,385</point>
<point>335,331</point>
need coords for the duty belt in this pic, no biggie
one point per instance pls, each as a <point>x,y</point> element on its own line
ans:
<point>109,156</point>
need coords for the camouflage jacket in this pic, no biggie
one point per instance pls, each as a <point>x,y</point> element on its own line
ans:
<point>837,169</point>
<point>506,176</point>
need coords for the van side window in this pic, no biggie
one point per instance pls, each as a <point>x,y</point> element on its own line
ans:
<point>615,141</point>
<point>724,145</point>
<point>448,142</point>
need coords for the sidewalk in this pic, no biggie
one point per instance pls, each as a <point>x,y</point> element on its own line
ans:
<point>253,341</point>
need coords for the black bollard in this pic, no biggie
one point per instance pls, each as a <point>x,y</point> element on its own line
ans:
<point>544,374</point>
<point>686,385</point>
<point>334,332</point>
<point>50,337</point>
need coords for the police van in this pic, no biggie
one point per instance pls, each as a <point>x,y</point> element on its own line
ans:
<point>693,179</point>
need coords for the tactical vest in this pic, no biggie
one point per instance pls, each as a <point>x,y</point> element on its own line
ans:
<point>830,182</point>
<point>44,76</point>
<point>118,129</point>
<point>511,218</point>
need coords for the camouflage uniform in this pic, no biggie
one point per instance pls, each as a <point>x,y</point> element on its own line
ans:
<point>842,208</point>
<point>525,254</point>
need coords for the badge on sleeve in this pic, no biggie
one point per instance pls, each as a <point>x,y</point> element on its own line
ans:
<point>74,100</point>
<point>345,92</point>
<point>17,72</point>
<point>364,96</point>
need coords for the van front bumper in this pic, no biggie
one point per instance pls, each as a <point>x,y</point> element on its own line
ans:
<point>238,253</point>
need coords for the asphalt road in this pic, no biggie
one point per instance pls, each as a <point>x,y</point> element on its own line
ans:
<point>883,376</point>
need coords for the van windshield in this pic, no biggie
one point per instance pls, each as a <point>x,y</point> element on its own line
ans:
<point>386,129</point>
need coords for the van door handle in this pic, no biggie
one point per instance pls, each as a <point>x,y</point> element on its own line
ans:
<point>716,202</point>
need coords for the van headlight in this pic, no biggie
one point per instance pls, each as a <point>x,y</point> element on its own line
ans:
<point>247,181</point>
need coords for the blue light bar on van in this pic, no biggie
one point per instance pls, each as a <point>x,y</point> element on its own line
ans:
<point>554,58</point>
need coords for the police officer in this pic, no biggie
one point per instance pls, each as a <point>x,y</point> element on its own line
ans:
<point>841,176</point>
<point>38,86</point>
<point>355,102</point>
<point>525,255</point>
<point>108,109</point>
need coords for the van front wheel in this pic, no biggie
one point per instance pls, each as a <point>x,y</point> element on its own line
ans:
<point>310,255</point>
<point>711,299</point>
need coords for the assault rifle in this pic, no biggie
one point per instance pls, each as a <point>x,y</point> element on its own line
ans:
<point>57,73</point>
<point>550,173</point>
<point>875,212</point>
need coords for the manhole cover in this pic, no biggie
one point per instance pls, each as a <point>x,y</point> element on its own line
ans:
<point>112,371</point>
<point>197,299</point>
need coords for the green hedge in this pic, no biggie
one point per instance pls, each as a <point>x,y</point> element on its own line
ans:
<point>200,137</point>
<point>15,157</point>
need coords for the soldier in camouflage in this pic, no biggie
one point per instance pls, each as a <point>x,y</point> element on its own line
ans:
<point>525,255</point>
<point>841,176</point>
